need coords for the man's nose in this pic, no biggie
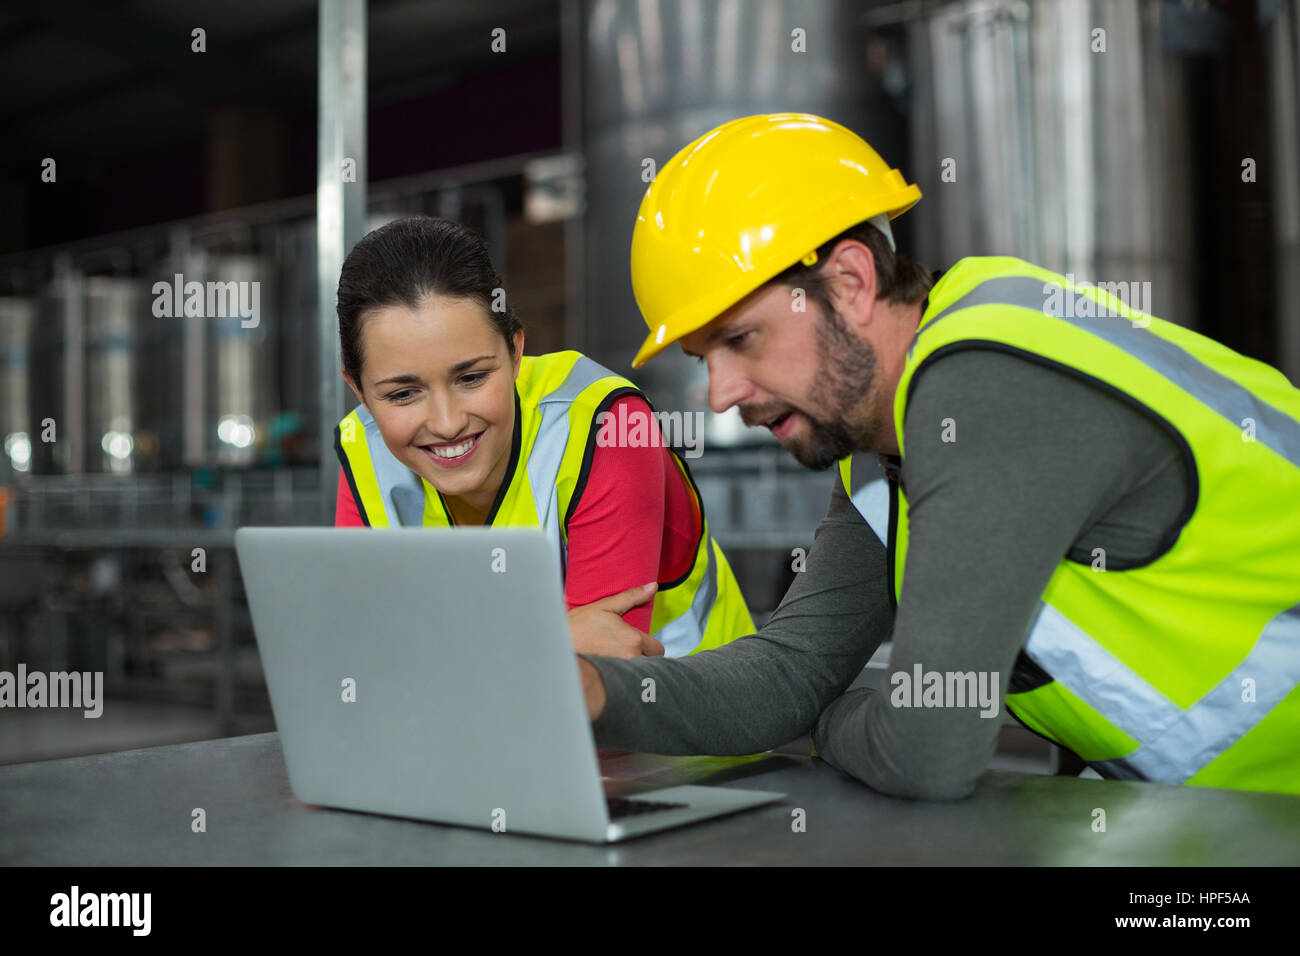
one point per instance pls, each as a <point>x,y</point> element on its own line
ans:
<point>726,386</point>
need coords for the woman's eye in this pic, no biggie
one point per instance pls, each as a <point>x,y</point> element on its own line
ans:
<point>735,340</point>
<point>473,378</point>
<point>401,396</point>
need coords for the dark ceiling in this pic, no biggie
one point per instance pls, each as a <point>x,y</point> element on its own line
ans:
<point>112,90</point>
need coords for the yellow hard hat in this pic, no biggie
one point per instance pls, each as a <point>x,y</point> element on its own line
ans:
<point>743,203</point>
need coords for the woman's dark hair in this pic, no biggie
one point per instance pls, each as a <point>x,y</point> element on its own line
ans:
<point>407,260</point>
<point>898,279</point>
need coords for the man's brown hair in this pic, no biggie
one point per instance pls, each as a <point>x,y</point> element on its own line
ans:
<point>899,280</point>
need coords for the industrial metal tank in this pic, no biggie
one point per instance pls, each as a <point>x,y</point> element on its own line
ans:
<point>243,384</point>
<point>17,318</point>
<point>215,343</point>
<point>114,312</point>
<point>1055,132</point>
<point>86,374</point>
<point>160,383</point>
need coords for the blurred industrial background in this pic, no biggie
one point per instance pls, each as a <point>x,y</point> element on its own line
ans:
<point>1170,156</point>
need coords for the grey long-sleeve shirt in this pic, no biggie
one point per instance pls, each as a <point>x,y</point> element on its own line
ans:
<point>1044,465</point>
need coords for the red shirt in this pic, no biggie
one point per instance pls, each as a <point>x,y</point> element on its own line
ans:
<point>636,522</point>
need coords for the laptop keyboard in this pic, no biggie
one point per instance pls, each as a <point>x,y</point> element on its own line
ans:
<point>623,807</point>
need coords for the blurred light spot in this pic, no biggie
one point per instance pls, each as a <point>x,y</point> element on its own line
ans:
<point>19,449</point>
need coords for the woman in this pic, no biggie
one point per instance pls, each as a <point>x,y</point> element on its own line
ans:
<point>458,427</point>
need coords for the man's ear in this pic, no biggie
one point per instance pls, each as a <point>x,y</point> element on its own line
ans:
<point>852,270</point>
<point>519,349</point>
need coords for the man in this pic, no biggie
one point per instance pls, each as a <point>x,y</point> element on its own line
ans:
<point>1095,512</point>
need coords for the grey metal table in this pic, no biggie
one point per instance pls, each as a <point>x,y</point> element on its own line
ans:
<point>134,808</point>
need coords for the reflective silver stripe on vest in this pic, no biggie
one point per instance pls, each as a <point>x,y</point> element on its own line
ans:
<point>683,635</point>
<point>870,494</point>
<point>680,636</point>
<point>403,490</point>
<point>1173,743</point>
<point>1273,427</point>
<point>872,502</point>
<point>400,489</point>
<point>548,448</point>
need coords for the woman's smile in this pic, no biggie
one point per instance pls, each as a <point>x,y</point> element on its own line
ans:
<point>451,454</point>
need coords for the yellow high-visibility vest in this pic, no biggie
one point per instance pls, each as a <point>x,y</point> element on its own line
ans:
<point>1185,668</point>
<point>557,400</point>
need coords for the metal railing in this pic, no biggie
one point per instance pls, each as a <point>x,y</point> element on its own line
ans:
<point>159,509</point>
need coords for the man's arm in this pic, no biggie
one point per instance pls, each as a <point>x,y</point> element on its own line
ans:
<point>1038,457</point>
<point>760,691</point>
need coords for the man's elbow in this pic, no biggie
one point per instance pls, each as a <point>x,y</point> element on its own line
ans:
<point>937,791</point>
<point>924,782</point>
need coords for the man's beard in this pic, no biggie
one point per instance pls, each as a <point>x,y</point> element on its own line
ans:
<point>846,369</point>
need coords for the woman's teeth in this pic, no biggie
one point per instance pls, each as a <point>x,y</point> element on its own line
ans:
<point>453,451</point>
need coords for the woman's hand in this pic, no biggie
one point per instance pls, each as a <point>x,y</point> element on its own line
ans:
<point>599,628</point>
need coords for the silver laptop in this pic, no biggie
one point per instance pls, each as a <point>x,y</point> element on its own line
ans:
<point>430,674</point>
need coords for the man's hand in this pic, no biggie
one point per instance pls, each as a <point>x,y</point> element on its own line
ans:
<point>599,628</point>
<point>593,689</point>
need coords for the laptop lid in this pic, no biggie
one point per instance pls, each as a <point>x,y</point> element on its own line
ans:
<point>426,674</point>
